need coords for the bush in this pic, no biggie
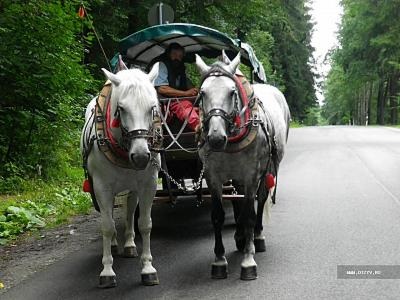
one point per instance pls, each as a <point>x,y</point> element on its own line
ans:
<point>45,204</point>
<point>43,84</point>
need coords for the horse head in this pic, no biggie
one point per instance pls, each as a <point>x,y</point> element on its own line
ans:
<point>220,101</point>
<point>134,103</point>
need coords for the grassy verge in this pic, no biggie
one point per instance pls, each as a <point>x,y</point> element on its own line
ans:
<point>295,124</point>
<point>42,204</point>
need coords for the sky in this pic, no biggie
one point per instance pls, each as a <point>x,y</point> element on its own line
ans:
<point>326,15</point>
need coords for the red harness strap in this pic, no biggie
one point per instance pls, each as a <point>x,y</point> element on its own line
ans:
<point>245,102</point>
<point>113,143</point>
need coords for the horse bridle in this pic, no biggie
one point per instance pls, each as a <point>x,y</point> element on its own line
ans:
<point>153,134</point>
<point>219,112</point>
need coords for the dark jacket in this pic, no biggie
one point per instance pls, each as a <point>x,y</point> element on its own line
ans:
<point>174,73</point>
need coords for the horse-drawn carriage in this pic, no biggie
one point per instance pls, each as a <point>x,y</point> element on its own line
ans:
<point>181,169</point>
<point>240,143</point>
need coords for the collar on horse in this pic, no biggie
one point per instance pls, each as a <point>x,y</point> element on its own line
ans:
<point>114,151</point>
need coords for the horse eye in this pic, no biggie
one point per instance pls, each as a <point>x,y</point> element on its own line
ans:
<point>120,108</point>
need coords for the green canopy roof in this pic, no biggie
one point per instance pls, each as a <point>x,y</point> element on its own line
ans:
<point>146,46</point>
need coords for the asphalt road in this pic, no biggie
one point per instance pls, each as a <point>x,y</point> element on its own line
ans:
<point>338,203</point>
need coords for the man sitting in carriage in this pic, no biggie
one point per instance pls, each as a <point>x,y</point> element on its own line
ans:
<point>172,81</point>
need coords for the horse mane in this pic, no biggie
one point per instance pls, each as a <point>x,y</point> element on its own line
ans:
<point>134,81</point>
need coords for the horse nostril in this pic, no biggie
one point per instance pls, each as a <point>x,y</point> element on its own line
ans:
<point>217,142</point>
<point>140,160</point>
<point>147,154</point>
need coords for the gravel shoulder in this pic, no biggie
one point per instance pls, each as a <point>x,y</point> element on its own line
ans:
<point>33,252</point>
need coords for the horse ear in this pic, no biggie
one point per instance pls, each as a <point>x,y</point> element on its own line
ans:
<point>154,72</point>
<point>112,77</point>
<point>234,64</point>
<point>201,65</point>
<point>121,65</point>
<point>225,58</point>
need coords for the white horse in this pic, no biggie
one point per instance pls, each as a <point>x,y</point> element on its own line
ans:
<point>133,102</point>
<point>225,119</point>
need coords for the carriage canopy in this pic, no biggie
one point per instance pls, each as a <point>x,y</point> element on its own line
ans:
<point>144,47</point>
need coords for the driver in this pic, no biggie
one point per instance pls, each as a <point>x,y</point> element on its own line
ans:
<point>173,82</point>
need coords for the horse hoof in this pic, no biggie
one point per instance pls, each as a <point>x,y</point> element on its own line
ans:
<point>130,252</point>
<point>259,245</point>
<point>240,243</point>
<point>106,282</point>
<point>114,250</point>
<point>150,279</point>
<point>249,273</point>
<point>219,271</point>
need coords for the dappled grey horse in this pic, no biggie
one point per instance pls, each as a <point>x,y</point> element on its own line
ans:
<point>224,115</point>
<point>133,103</point>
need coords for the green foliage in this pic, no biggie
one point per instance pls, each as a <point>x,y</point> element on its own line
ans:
<point>43,204</point>
<point>365,73</point>
<point>43,83</point>
<point>296,124</point>
<point>314,117</point>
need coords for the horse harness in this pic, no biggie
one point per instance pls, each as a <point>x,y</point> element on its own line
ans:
<point>115,152</point>
<point>251,106</point>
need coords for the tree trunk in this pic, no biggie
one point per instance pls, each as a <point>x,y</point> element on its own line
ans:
<point>371,90</point>
<point>385,98</point>
<point>363,104</point>
<point>380,111</point>
<point>32,125</point>
<point>393,95</point>
<point>10,145</point>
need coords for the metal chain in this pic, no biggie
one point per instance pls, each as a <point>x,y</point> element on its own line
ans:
<point>234,191</point>
<point>196,185</point>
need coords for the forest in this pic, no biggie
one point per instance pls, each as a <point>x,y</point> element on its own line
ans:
<point>362,87</point>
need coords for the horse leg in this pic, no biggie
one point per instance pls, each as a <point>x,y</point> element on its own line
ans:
<point>259,238</point>
<point>239,233</point>
<point>273,190</point>
<point>106,203</point>
<point>220,265</point>
<point>114,246</point>
<point>248,219</point>
<point>114,241</point>
<point>237,207</point>
<point>148,273</point>
<point>130,246</point>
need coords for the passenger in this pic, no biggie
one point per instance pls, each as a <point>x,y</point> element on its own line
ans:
<point>172,81</point>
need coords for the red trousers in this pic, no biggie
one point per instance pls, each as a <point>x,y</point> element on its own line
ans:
<point>182,109</point>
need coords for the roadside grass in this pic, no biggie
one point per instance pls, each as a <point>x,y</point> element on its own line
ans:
<point>295,124</point>
<point>42,204</point>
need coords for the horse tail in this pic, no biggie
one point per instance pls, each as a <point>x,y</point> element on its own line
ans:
<point>265,196</point>
<point>288,119</point>
<point>267,207</point>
